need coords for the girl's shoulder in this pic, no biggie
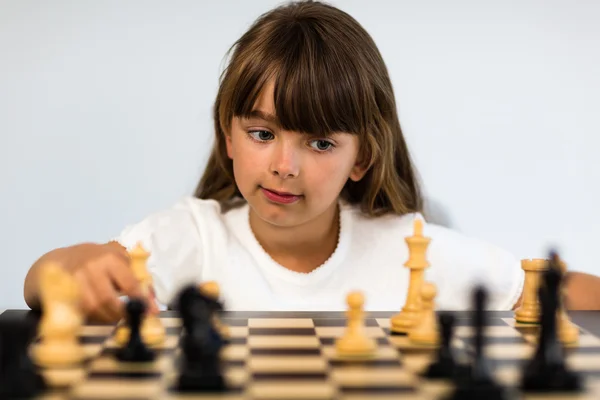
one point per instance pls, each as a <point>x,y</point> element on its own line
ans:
<point>184,220</point>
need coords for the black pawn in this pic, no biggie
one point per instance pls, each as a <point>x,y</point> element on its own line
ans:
<point>135,350</point>
<point>547,371</point>
<point>444,366</point>
<point>200,365</point>
<point>478,382</point>
<point>19,376</point>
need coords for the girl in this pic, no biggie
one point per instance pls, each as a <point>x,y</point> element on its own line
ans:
<point>309,191</point>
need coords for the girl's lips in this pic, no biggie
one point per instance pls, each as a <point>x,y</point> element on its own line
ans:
<point>277,197</point>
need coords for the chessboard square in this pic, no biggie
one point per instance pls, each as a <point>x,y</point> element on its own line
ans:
<point>280,323</point>
<point>588,340</point>
<point>582,361</point>
<point>417,362</point>
<point>103,331</point>
<point>110,388</point>
<point>336,332</point>
<point>235,378</point>
<point>286,352</point>
<point>237,322</point>
<point>109,364</point>
<point>84,340</point>
<point>363,376</point>
<point>384,322</point>
<point>238,331</point>
<point>172,395</point>
<point>173,330</point>
<point>509,351</point>
<point>288,364</point>
<point>277,342</point>
<point>292,390</point>
<point>341,322</point>
<point>170,342</point>
<point>63,377</point>
<point>281,331</point>
<point>490,322</point>
<point>234,352</point>
<point>490,331</point>
<point>511,375</point>
<point>404,343</point>
<point>329,341</point>
<point>171,322</point>
<point>469,341</point>
<point>383,396</point>
<point>242,340</point>
<point>381,353</point>
<point>91,350</point>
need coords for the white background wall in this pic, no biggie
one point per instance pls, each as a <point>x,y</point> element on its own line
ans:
<point>105,115</point>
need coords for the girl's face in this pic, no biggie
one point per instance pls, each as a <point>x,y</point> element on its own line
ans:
<point>267,158</point>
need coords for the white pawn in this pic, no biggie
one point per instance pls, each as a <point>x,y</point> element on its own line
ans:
<point>61,320</point>
<point>426,330</point>
<point>354,342</point>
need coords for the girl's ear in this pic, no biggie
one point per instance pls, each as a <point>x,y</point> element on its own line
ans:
<point>358,171</point>
<point>228,145</point>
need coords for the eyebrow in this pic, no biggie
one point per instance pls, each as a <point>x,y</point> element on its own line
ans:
<point>263,115</point>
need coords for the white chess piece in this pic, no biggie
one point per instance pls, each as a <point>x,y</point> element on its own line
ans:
<point>354,342</point>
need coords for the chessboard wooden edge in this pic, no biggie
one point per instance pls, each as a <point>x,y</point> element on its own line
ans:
<point>588,320</point>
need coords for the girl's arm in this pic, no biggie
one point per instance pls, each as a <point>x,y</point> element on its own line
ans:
<point>582,292</point>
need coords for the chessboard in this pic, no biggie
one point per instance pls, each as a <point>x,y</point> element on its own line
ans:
<point>278,355</point>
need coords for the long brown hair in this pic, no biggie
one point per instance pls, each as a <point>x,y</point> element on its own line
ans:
<point>328,77</point>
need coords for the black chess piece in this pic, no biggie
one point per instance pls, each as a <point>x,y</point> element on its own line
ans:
<point>445,365</point>
<point>19,376</point>
<point>215,308</point>
<point>200,364</point>
<point>478,381</point>
<point>547,371</point>
<point>135,350</point>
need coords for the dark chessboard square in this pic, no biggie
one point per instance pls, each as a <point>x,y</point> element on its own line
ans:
<point>379,389</point>
<point>528,330</point>
<point>373,363</point>
<point>233,390</point>
<point>286,376</point>
<point>285,352</point>
<point>122,375</point>
<point>589,373</point>
<point>112,351</point>
<point>91,339</point>
<point>235,321</point>
<point>173,330</point>
<point>281,332</point>
<point>238,340</point>
<point>233,363</point>
<point>583,350</point>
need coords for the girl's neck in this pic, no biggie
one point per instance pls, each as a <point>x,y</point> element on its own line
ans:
<point>303,248</point>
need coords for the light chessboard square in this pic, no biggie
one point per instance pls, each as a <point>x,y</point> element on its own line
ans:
<point>280,323</point>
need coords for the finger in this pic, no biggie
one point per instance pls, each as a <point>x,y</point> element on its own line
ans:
<point>119,250</point>
<point>124,279</point>
<point>89,301</point>
<point>105,291</point>
<point>152,303</point>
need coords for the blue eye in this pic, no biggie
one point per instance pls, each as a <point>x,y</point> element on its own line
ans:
<point>261,135</point>
<point>327,145</point>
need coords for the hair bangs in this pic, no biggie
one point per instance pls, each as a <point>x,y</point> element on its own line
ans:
<point>316,90</point>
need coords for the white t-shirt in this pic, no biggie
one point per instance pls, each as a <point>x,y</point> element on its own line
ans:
<point>192,241</point>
